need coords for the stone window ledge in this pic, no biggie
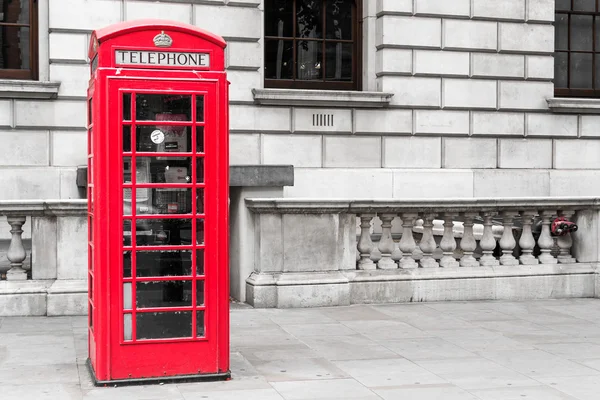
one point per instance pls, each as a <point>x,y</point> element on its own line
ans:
<point>321,98</point>
<point>28,89</point>
<point>574,105</point>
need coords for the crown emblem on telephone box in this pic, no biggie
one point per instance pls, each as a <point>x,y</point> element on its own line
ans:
<point>163,40</point>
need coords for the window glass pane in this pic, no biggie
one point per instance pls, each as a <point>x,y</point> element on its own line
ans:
<point>309,18</point>
<point>338,19</point>
<point>127,327</point>
<point>309,59</point>
<point>199,139</point>
<point>163,232</point>
<point>563,5</point>
<point>199,231</point>
<point>561,36</point>
<point>163,325</point>
<point>163,138</point>
<point>163,107</point>
<point>126,138</point>
<point>279,18</point>
<point>199,293</point>
<point>15,11</point>
<point>127,295</point>
<point>127,263</point>
<point>279,59</point>
<point>199,262</point>
<point>597,76</point>
<point>200,201</point>
<point>127,106</point>
<point>164,263</point>
<point>163,170</point>
<point>597,27</point>
<point>339,61</point>
<point>14,47</point>
<point>561,64</point>
<point>200,170</point>
<point>581,71</point>
<point>163,294</point>
<point>199,108</point>
<point>581,32</point>
<point>200,329</point>
<point>584,5</point>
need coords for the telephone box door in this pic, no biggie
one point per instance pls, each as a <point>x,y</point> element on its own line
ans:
<point>164,264</point>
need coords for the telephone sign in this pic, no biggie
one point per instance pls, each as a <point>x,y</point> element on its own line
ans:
<point>157,204</point>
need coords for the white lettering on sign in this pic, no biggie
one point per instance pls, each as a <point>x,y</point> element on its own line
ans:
<point>172,59</point>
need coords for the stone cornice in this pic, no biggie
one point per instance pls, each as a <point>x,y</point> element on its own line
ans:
<point>22,89</point>
<point>321,98</point>
<point>574,105</point>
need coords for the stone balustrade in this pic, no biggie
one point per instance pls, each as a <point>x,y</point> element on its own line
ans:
<point>371,246</point>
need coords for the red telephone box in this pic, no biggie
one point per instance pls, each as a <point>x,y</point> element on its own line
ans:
<point>157,204</point>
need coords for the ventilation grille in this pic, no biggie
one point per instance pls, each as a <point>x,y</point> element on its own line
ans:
<point>322,119</point>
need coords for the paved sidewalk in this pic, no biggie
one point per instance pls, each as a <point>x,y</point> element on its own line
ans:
<point>547,350</point>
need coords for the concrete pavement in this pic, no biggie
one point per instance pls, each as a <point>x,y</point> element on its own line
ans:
<point>546,350</point>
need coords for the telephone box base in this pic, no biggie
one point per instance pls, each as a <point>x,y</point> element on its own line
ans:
<point>166,379</point>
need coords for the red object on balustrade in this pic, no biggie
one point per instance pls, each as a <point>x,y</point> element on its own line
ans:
<point>157,204</point>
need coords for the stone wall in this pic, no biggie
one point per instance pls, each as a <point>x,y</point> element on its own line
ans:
<point>468,116</point>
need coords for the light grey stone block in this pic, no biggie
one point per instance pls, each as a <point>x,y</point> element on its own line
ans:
<point>412,152</point>
<point>408,184</point>
<point>470,153</point>
<point>69,148</point>
<point>526,38</point>
<point>73,78</point>
<point>585,244</point>
<point>171,11</point>
<point>68,184</point>
<point>525,95</point>
<point>71,249</point>
<point>511,183</point>
<point>322,120</point>
<point>244,55</point>
<point>395,6</point>
<point>297,150</point>
<point>58,113</point>
<point>352,152</point>
<point>447,63</point>
<point>244,149</point>
<point>575,183</point>
<point>67,298</point>
<point>242,83</point>
<point>269,256</point>
<point>29,183</point>
<point>383,121</point>
<point>409,31</point>
<point>441,7</point>
<point>508,9</point>
<point>412,91</point>
<point>315,295</point>
<point>261,175</point>
<point>497,65</point>
<point>260,119</point>
<point>24,148</point>
<point>6,113</point>
<point>551,125</point>
<point>339,183</point>
<point>525,153</point>
<point>590,126</point>
<point>83,14</point>
<point>394,61</point>
<point>469,93</point>
<point>68,46</point>
<point>471,35</point>
<point>43,248</point>
<point>577,154</point>
<point>441,122</point>
<point>244,22</point>
<point>540,67</point>
<point>498,123</point>
<point>23,298</point>
<point>540,10</point>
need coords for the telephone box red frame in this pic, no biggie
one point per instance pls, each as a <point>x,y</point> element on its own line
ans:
<point>130,351</point>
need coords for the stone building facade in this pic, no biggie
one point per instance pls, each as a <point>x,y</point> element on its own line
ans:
<point>456,100</point>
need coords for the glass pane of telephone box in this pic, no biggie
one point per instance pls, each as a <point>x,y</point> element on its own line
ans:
<point>200,330</point>
<point>163,138</point>
<point>126,138</point>
<point>163,170</point>
<point>199,108</point>
<point>163,294</point>
<point>158,201</point>
<point>199,262</point>
<point>127,106</point>
<point>163,325</point>
<point>163,107</point>
<point>200,201</point>
<point>164,263</point>
<point>163,232</point>
<point>199,139</point>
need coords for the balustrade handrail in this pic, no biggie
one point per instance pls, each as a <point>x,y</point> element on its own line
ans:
<point>43,207</point>
<point>327,206</point>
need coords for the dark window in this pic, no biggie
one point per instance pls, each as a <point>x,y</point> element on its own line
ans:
<point>312,44</point>
<point>18,39</point>
<point>577,48</point>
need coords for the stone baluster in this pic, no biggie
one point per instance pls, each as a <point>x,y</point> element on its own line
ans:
<point>386,243</point>
<point>365,245</point>
<point>468,244</point>
<point>448,243</point>
<point>16,252</point>
<point>488,243</point>
<point>407,242</point>
<point>427,244</point>
<point>507,241</point>
<point>565,242</point>
<point>527,241</point>
<point>545,242</point>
